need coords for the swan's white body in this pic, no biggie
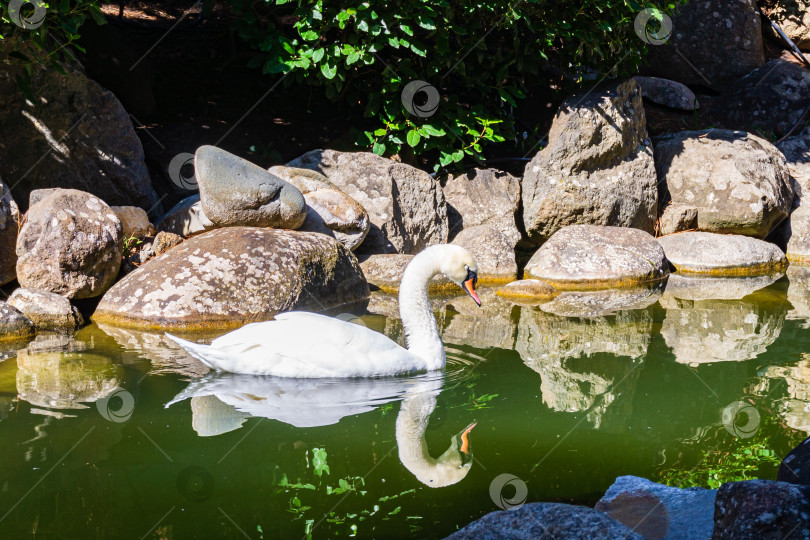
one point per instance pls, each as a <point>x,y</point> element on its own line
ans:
<point>308,345</point>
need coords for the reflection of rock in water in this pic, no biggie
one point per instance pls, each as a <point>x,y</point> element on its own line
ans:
<point>795,407</point>
<point>65,381</point>
<point>460,321</point>
<point>704,331</point>
<point>586,364</point>
<point>798,293</point>
<point>165,355</point>
<point>599,303</point>
<point>688,287</point>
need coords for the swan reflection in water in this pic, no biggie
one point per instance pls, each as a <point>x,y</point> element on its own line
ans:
<point>322,402</point>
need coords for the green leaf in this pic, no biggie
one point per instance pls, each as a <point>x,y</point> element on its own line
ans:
<point>407,29</point>
<point>413,137</point>
<point>433,131</point>
<point>309,35</point>
<point>378,148</point>
<point>317,55</point>
<point>329,70</point>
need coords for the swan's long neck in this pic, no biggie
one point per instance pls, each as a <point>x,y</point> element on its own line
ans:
<point>421,331</point>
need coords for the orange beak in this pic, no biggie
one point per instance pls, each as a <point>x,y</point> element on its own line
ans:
<point>469,287</point>
<point>465,438</point>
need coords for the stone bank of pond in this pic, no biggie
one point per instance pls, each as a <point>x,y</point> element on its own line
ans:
<point>565,402</point>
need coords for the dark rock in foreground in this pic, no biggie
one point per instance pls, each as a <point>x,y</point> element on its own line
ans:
<point>757,509</point>
<point>228,277</point>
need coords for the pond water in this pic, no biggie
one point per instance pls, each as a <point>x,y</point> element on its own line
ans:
<point>117,433</point>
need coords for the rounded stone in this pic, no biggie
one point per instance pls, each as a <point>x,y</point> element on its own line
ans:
<point>229,277</point>
<point>13,324</point>
<point>722,254</point>
<point>71,244</point>
<point>134,221</point>
<point>46,309</point>
<point>186,218</point>
<point>236,192</point>
<point>580,257</point>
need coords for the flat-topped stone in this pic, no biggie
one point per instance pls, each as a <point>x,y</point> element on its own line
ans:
<point>721,254</point>
<point>581,257</point>
<point>46,309</point>
<point>528,292</point>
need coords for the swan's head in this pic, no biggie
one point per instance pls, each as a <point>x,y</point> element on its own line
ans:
<point>460,268</point>
<point>452,466</point>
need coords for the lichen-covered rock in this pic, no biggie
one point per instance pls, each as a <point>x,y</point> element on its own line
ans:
<point>9,217</point>
<point>74,135</point>
<point>597,167</point>
<point>14,326</point>
<point>46,309</point>
<point>134,221</point>
<point>528,292</point>
<point>593,257</point>
<point>722,254</point>
<point>329,210</point>
<point>385,273</point>
<point>406,206</point>
<point>164,241</point>
<point>755,509</point>
<point>57,380</point>
<point>678,218</point>
<point>71,244</point>
<point>796,150</point>
<point>665,92</point>
<point>738,183</point>
<point>771,98</point>
<point>492,250</point>
<point>707,331</point>
<point>235,192</point>
<point>712,42</point>
<point>545,520</point>
<point>659,511</point>
<point>186,218</point>
<point>228,277</point>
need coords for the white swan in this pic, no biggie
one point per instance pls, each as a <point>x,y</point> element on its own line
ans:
<point>308,345</point>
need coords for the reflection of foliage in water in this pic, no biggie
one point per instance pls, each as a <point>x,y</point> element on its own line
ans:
<point>349,485</point>
<point>726,458</point>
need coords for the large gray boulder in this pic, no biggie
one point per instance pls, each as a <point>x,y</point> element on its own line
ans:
<point>73,134</point>
<point>232,276</point>
<point>9,218</point>
<point>796,150</point>
<point>722,254</point>
<point>329,210</point>
<point>71,244</point>
<point>771,98</point>
<point>659,511</point>
<point>46,309</point>
<point>481,210</point>
<point>756,509</point>
<point>712,43</point>
<point>545,520</point>
<point>738,183</point>
<point>186,218</point>
<point>597,167</point>
<point>235,192</point>
<point>406,206</point>
<point>593,257</point>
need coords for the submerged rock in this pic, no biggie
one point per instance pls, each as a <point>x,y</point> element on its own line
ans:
<point>14,326</point>
<point>46,309</point>
<point>235,192</point>
<point>228,277</point>
<point>9,217</point>
<point>597,167</point>
<point>761,509</point>
<point>406,206</point>
<point>594,257</point>
<point>661,512</point>
<point>71,244</point>
<point>329,210</point>
<point>714,254</point>
<point>736,182</point>
<point>186,218</point>
<point>541,520</point>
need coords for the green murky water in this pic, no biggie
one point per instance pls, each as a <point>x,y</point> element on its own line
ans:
<point>566,397</point>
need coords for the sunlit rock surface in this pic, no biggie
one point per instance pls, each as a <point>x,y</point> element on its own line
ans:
<point>14,326</point>
<point>65,380</point>
<point>713,254</point>
<point>705,331</point>
<point>384,271</point>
